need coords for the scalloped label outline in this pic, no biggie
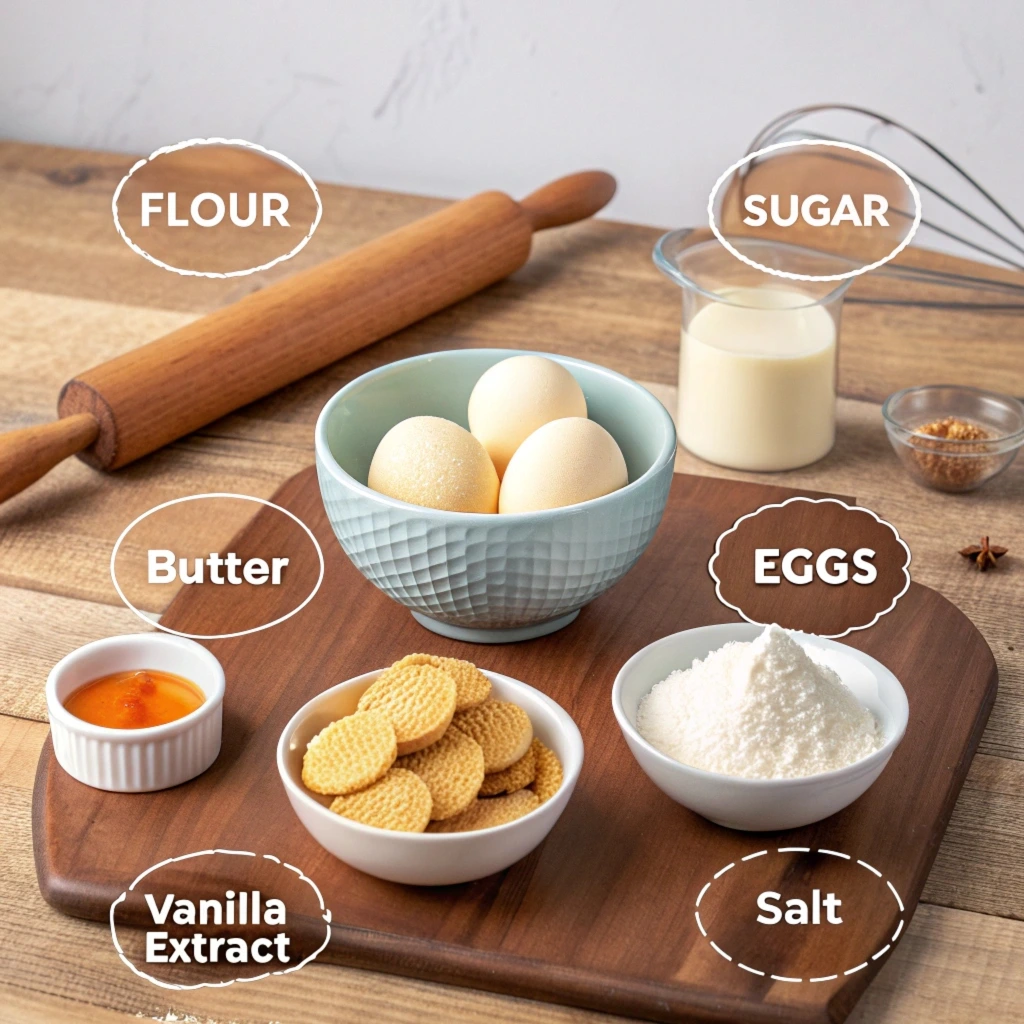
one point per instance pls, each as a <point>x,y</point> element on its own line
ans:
<point>905,568</point>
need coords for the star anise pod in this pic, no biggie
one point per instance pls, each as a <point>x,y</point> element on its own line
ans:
<point>984,555</point>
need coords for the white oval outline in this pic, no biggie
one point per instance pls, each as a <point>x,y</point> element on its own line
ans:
<point>214,636</point>
<point>813,501</point>
<point>326,915</point>
<point>780,977</point>
<point>815,142</point>
<point>162,151</point>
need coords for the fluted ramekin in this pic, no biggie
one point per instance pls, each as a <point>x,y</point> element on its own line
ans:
<point>136,760</point>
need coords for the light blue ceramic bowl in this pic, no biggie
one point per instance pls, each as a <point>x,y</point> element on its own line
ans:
<point>489,578</point>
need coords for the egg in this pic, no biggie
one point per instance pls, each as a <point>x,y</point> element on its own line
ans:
<point>515,397</point>
<point>561,463</point>
<point>430,461</point>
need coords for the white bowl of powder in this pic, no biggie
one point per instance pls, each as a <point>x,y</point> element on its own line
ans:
<point>758,728</point>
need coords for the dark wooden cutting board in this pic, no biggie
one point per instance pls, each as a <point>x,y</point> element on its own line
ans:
<point>601,915</point>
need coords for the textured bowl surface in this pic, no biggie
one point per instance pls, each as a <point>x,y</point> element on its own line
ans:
<point>136,760</point>
<point>759,805</point>
<point>489,572</point>
<point>444,858</point>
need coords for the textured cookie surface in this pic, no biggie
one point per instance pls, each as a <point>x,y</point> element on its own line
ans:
<point>418,699</point>
<point>515,776</point>
<point>452,768</point>
<point>501,728</point>
<point>349,754</point>
<point>400,801</point>
<point>548,773</point>
<point>472,687</point>
<point>488,812</point>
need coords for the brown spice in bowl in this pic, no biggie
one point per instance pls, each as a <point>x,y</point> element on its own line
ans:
<point>940,461</point>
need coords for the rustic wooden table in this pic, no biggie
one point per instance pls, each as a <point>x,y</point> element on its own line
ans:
<point>72,294</point>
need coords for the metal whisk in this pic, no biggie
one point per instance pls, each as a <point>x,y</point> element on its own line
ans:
<point>959,215</point>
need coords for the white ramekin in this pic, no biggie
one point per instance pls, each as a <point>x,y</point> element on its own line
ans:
<point>136,760</point>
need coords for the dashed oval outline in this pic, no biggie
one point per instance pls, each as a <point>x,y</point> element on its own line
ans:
<point>781,977</point>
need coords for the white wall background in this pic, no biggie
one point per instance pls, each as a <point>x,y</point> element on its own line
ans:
<point>451,96</point>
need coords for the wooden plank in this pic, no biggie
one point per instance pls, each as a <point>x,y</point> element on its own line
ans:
<point>76,513</point>
<point>946,961</point>
<point>592,288</point>
<point>46,339</point>
<point>36,631</point>
<point>60,238</point>
<point>322,995</point>
<point>18,1006</point>
<point>20,744</point>
<point>57,536</point>
<point>979,866</point>
<point>59,503</point>
<point>60,191</point>
<point>950,967</point>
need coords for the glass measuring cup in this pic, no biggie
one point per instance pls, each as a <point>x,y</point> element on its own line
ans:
<point>758,353</point>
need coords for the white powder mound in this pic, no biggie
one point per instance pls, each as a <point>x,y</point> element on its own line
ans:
<point>758,710</point>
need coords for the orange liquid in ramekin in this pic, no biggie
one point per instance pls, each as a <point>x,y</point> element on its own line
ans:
<point>135,700</point>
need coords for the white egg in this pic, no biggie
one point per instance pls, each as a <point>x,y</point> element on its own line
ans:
<point>563,462</point>
<point>429,461</point>
<point>515,397</point>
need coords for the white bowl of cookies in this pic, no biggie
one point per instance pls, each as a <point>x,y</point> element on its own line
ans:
<point>430,772</point>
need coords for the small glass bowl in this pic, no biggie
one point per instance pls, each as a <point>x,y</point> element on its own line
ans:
<point>953,464</point>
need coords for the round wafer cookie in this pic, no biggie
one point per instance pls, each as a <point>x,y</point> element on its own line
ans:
<point>488,812</point>
<point>349,754</point>
<point>514,777</point>
<point>452,768</point>
<point>502,729</point>
<point>419,700</point>
<point>548,774</point>
<point>400,801</point>
<point>472,687</point>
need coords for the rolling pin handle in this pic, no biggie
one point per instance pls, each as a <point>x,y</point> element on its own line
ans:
<point>28,454</point>
<point>569,199</point>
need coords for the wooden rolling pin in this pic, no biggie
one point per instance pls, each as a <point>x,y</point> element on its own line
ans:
<point>130,406</point>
